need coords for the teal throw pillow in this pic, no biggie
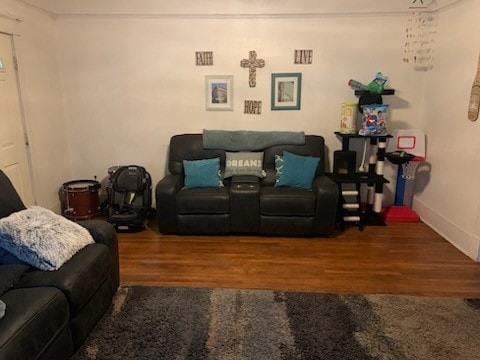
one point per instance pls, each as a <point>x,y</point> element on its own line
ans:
<point>244,163</point>
<point>298,171</point>
<point>278,166</point>
<point>202,173</point>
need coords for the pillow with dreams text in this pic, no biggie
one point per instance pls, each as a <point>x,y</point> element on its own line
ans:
<point>244,163</point>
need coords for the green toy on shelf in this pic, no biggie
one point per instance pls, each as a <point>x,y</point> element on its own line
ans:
<point>376,85</point>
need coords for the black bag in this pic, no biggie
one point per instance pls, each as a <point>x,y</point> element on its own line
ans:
<point>130,198</point>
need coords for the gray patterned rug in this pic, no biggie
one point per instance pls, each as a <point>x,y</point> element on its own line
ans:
<point>198,323</point>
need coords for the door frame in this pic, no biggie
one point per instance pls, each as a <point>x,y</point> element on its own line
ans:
<point>22,117</point>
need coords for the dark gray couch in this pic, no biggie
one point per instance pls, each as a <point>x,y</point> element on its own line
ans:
<point>50,313</point>
<point>246,204</point>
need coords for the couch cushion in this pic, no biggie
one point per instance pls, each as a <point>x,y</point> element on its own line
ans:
<point>34,318</point>
<point>78,278</point>
<point>203,201</point>
<point>284,201</point>
<point>10,276</point>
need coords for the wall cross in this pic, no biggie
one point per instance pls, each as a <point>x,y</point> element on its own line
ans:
<point>252,63</point>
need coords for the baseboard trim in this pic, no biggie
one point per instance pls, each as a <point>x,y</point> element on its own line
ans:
<point>463,241</point>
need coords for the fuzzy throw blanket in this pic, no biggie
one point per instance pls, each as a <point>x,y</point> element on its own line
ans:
<point>3,307</point>
<point>41,238</point>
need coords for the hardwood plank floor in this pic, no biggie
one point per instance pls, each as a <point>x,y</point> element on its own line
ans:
<point>400,258</point>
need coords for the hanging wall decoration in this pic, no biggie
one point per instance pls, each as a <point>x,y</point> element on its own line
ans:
<point>303,57</point>
<point>419,4</point>
<point>474,104</point>
<point>219,92</point>
<point>203,58</point>
<point>286,91</point>
<point>420,34</point>
<point>252,63</point>
<point>253,107</point>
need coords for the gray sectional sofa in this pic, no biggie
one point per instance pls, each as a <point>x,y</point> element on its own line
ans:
<point>50,313</point>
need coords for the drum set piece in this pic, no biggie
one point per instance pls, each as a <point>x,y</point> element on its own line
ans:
<point>82,197</point>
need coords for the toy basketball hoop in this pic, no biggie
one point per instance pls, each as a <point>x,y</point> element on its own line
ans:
<point>408,162</point>
<point>409,168</point>
<point>407,150</point>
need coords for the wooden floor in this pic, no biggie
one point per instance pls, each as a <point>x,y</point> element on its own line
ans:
<point>400,258</point>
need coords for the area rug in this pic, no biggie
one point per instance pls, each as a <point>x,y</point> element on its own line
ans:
<point>200,323</point>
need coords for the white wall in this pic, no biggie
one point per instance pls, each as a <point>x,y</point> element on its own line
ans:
<point>451,201</point>
<point>130,83</point>
<point>35,46</point>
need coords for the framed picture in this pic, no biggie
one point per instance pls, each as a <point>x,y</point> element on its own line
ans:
<point>286,91</point>
<point>219,92</point>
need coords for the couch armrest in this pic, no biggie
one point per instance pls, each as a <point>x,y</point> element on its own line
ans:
<point>165,196</point>
<point>326,192</point>
<point>104,233</point>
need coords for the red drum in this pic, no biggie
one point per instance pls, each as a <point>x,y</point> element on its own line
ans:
<point>81,199</point>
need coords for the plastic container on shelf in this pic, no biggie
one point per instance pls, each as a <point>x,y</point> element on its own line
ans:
<point>348,118</point>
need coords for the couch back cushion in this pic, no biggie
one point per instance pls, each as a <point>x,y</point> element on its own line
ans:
<point>10,201</point>
<point>190,147</point>
<point>314,146</point>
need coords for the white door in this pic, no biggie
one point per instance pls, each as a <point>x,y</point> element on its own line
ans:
<point>13,148</point>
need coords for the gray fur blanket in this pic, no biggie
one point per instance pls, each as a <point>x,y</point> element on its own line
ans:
<point>3,307</point>
<point>41,238</point>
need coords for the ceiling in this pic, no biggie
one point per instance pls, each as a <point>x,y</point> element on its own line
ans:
<point>231,7</point>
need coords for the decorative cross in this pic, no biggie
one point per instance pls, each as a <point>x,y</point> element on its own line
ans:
<point>252,63</point>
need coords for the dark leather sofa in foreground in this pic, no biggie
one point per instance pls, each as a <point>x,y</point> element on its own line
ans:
<point>245,204</point>
<point>50,313</point>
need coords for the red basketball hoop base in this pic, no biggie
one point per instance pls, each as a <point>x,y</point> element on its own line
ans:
<point>400,214</point>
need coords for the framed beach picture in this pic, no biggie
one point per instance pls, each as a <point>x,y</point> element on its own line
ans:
<point>219,92</point>
<point>286,91</point>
